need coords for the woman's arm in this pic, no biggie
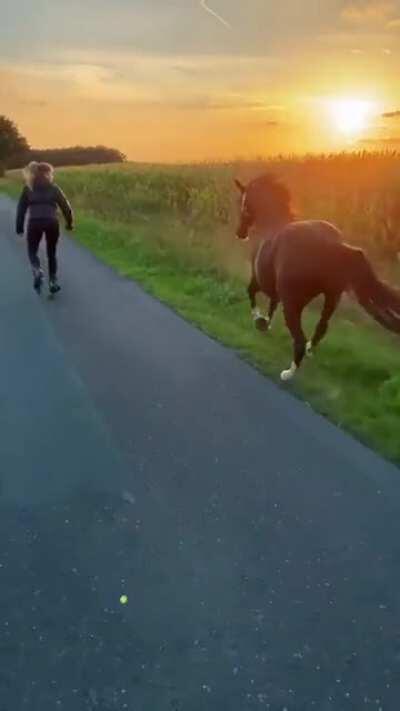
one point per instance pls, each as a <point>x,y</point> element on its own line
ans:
<point>22,207</point>
<point>65,208</point>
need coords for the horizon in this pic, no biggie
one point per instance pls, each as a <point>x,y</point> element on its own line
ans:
<point>204,81</point>
<point>278,158</point>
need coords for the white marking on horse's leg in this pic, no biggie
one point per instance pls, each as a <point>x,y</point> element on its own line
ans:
<point>262,322</point>
<point>257,313</point>
<point>288,374</point>
<point>309,349</point>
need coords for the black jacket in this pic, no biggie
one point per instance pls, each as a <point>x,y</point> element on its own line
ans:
<point>41,201</point>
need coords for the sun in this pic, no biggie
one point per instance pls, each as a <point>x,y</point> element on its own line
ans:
<point>350,116</point>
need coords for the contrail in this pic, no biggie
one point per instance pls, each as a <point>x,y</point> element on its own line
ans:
<point>212,12</point>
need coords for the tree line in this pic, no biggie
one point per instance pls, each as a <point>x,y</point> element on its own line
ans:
<point>15,151</point>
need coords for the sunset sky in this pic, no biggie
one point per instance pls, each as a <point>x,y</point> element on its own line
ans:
<point>167,80</point>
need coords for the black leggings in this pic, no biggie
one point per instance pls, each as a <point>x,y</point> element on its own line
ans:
<point>36,230</point>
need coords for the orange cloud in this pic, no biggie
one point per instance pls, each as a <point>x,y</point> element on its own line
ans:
<point>381,142</point>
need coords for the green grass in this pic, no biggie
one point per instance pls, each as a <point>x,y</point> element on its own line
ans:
<point>199,270</point>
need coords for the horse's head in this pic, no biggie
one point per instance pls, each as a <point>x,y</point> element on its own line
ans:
<point>264,203</point>
<point>246,212</point>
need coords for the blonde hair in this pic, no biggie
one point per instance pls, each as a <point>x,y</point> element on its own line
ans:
<point>35,170</point>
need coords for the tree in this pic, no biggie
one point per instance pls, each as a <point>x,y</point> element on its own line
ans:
<point>76,155</point>
<point>12,143</point>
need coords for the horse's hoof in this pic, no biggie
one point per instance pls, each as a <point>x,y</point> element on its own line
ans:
<point>309,349</point>
<point>288,374</point>
<point>262,324</point>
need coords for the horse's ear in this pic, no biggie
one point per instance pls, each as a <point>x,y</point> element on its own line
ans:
<point>240,186</point>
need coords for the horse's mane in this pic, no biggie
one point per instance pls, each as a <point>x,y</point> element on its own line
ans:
<point>270,185</point>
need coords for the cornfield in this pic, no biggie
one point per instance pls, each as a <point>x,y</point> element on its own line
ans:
<point>359,192</point>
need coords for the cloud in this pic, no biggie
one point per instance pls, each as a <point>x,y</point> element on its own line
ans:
<point>391,114</point>
<point>205,103</point>
<point>36,30</point>
<point>34,103</point>
<point>393,140</point>
<point>370,13</point>
<point>259,124</point>
<point>129,80</point>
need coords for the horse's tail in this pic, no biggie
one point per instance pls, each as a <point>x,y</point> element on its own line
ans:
<point>381,301</point>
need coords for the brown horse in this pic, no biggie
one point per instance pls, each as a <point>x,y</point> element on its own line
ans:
<point>295,261</point>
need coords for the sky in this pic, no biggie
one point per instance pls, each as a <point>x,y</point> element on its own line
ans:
<point>182,80</point>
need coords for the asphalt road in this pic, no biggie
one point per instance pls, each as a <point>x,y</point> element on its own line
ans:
<point>258,545</point>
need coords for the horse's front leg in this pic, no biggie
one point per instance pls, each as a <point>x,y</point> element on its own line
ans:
<point>261,322</point>
<point>273,305</point>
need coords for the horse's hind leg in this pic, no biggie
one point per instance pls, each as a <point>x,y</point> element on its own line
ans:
<point>293,312</point>
<point>330,305</point>
<point>261,322</point>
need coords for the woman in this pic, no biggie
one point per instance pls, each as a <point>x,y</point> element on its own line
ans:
<point>40,198</point>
